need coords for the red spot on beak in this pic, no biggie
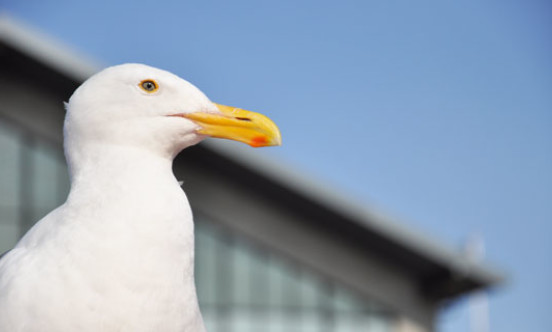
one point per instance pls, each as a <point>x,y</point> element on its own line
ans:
<point>258,141</point>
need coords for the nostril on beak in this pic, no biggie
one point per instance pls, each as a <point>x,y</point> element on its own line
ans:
<point>243,119</point>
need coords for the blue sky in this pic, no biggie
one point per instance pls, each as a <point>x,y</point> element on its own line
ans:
<point>439,113</point>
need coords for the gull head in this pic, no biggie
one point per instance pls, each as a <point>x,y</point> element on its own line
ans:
<point>139,106</point>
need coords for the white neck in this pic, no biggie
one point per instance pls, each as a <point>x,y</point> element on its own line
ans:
<point>130,199</point>
<point>131,188</point>
<point>115,164</point>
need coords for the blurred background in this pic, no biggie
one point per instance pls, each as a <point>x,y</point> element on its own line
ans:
<point>439,114</point>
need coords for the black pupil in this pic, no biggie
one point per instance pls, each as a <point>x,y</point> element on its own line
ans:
<point>149,85</point>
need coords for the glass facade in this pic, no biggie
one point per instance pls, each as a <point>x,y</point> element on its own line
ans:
<point>241,286</point>
<point>33,181</point>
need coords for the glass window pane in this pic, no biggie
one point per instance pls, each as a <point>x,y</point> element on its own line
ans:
<point>223,272</point>
<point>9,164</point>
<point>205,269</point>
<point>10,175</point>
<point>241,275</point>
<point>259,279</point>
<point>44,176</point>
<point>9,233</point>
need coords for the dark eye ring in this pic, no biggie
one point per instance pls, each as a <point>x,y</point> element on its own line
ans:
<point>149,86</point>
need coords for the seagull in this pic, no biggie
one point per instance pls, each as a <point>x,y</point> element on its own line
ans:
<point>118,255</point>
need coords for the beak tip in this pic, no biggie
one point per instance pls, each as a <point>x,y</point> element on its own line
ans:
<point>276,140</point>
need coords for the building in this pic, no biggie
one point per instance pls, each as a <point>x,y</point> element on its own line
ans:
<point>275,252</point>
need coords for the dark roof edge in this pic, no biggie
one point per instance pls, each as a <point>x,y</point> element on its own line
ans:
<point>45,49</point>
<point>459,264</point>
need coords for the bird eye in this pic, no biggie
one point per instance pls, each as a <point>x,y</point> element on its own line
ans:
<point>149,86</point>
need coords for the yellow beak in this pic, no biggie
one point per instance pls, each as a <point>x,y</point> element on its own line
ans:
<point>236,124</point>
